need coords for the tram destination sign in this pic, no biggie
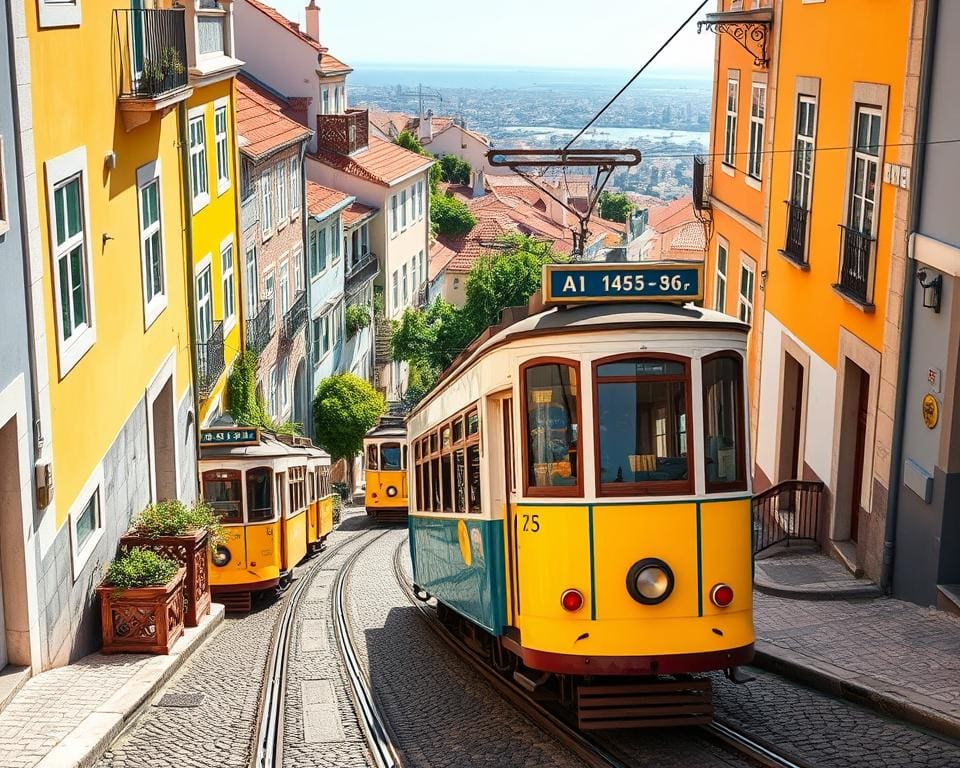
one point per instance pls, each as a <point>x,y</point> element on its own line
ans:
<point>232,436</point>
<point>582,283</point>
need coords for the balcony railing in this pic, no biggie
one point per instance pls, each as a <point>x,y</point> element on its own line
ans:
<point>795,248</point>
<point>152,50</point>
<point>343,134</point>
<point>295,317</point>
<point>260,328</point>
<point>363,269</point>
<point>789,511</point>
<point>421,295</point>
<point>210,362</point>
<point>855,254</point>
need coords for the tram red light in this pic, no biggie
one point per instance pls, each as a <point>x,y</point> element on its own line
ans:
<point>721,595</point>
<point>572,600</point>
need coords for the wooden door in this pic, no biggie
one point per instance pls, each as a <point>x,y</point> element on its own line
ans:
<point>859,455</point>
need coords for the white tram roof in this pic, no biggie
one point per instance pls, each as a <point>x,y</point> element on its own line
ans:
<point>389,426</point>
<point>270,447</point>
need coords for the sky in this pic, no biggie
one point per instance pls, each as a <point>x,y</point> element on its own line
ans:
<point>567,34</point>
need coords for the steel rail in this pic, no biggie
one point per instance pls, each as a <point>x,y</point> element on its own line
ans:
<point>750,747</point>
<point>379,740</point>
<point>268,748</point>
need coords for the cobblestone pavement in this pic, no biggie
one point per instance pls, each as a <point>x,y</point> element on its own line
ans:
<point>228,673</point>
<point>909,646</point>
<point>816,729</point>
<point>811,575</point>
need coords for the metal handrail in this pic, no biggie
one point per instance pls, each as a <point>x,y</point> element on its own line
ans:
<point>789,511</point>
<point>260,327</point>
<point>795,247</point>
<point>296,316</point>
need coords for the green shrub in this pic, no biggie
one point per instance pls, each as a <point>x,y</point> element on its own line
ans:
<point>356,317</point>
<point>140,568</point>
<point>451,216</point>
<point>455,170</point>
<point>174,518</point>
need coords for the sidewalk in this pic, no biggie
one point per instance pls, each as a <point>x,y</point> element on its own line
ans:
<point>67,717</point>
<point>899,658</point>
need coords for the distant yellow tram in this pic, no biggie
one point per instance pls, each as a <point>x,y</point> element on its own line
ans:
<point>581,503</point>
<point>274,498</point>
<point>385,449</point>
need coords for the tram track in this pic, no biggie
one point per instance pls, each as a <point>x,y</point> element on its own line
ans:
<point>596,751</point>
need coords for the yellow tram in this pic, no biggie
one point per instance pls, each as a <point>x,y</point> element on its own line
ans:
<point>581,504</point>
<point>273,496</point>
<point>385,449</point>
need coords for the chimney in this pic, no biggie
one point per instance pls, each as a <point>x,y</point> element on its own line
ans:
<point>479,190</point>
<point>426,127</point>
<point>313,20</point>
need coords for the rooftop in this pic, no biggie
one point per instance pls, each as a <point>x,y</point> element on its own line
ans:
<point>356,212</point>
<point>382,162</point>
<point>329,64</point>
<point>321,198</point>
<point>262,125</point>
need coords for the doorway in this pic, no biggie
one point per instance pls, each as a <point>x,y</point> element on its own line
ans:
<point>863,395</point>
<point>852,446</point>
<point>163,445</point>
<point>790,460</point>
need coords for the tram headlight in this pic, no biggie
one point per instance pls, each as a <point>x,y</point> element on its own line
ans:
<point>650,581</point>
<point>221,556</point>
<point>391,491</point>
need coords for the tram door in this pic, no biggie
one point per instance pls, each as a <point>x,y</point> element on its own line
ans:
<point>500,463</point>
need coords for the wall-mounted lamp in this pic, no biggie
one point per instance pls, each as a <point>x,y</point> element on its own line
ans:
<point>931,290</point>
<point>763,280</point>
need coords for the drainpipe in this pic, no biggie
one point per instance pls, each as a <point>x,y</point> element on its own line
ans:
<point>909,282</point>
<point>191,281</point>
<point>305,271</point>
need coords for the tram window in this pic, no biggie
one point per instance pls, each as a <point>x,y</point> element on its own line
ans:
<point>445,441</point>
<point>405,465</point>
<point>418,478</point>
<point>446,471</point>
<point>433,442</point>
<point>436,497</point>
<point>552,428</point>
<point>460,480</point>
<point>458,430</point>
<point>473,478</point>
<point>373,460</point>
<point>723,423</point>
<point>221,490</point>
<point>390,457</point>
<point>259,494</point>
<point>642,414</point>
<point>473,423</point>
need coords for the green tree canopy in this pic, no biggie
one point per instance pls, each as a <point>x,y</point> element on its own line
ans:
<point>615,207</point>
<point>345,408</point>
<point>408,140</point>
<point>455,170</point>
<point>450,216</point>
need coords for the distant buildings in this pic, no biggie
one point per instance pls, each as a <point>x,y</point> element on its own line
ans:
<point>674,233</point>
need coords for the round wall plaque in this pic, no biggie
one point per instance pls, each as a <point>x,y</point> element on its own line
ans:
<point>931,411</point>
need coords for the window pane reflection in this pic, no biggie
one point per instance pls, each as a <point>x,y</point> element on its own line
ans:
<point>722,418</point>
<point>551,392</point>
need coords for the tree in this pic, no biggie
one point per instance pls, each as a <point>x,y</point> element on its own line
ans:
<point>455,170</point>
<point>408,140</point>
<point>345,408</point>
<point>450,216</point>
<point>615,207</point>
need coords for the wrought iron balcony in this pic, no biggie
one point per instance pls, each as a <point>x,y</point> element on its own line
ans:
<point>343,134</point>
<point>421,295</point>
<point>151,57</point>
<point>296,316</point>
<point>363,269</point>
<point>210,362</point>
<point>260,328</point>
<point>795,248</point>
<point>855,254</point>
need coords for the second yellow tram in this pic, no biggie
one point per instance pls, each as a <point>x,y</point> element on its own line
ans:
<point>385,451</point>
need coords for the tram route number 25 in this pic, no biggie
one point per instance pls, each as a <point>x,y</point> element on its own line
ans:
<point>531,523</point>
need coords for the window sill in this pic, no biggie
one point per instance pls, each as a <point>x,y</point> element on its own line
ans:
<point>728,169</point>
<point>229,324</point>
<point>753,182</point>
<point>58,15</point>
<point>70,353</point>
<point>802,266</point>
<point>199,203</point>
<point>79,560</point>
<point>222,186</point>
<point>864,306</point>
<point>265,235</point>
<point>153,310</point>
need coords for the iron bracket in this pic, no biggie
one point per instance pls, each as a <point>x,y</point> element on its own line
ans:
<point>745,34</point>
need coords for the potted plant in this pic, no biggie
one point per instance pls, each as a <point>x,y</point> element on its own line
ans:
<point>183,534</point>
<point>141,603</point>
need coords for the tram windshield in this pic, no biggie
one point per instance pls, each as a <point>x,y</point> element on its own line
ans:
<point>390,453</point>
<point>552,416</point>
<point>259,494</point>
<point>221,490</point>
<point>723,423</point>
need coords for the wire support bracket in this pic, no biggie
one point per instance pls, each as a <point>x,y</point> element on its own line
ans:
<point>750,34</point>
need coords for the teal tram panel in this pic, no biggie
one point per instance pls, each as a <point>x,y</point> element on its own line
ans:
<point>468,577</point>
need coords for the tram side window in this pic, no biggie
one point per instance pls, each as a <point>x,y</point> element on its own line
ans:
<point>552,414</point>
<point>259,494</point>
<point>642,415</point>
<point>373,457</point>
<point>723,423</point>
<point>390,457</point>
<point>221,490</point>
<point>436,497</point>
<point>446,470</point>
<point>460,480</point>
<point>297,489</point>
<point>473,477</point>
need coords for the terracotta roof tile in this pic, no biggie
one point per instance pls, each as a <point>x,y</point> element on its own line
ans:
<point>262,126</point>
<point>383,162</point>
<point>671,215</point>
<point>320,198</point>
<point>329,64</point>
<point>385,121</point>
<point>356,211</point>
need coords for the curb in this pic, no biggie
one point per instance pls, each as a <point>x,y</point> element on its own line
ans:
<point>86,743</point>
<point>885,698</point>
<point>859,592</point>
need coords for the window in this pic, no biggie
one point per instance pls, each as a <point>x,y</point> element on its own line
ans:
<point>423,267</point>
<point>803,157</point>
<point>204,303</point>
<point>393,215</point>
<point>226,267</point>
<point>281,193</point>
<point>720,285</point>
<point>758,109</point>
<point>295,184</point>
<point>284,288</point>
<point>420,199</point>
<point>866,165</point>
<point>297,271</point>
<point>266,189</point>
<point>390,453</point>
<point>324,334</point>
<point>315,340</point>
<point>259,495</point>
<point>252,280</point>
<point>723,449</point>
<point>88,521</point>
<point>447,474</point>
<point>396,292</point>
<point>364,240</point>
<point>336,99</point>
<point>641,426</point>
<point>221,490</point>
<point>745,302</point>
<point>313,250</point>
<point>336,241</point>
<point>151,241</point>
<point>730,127</point>
<point>198,162</point>
<point>373,458</point>
<point>284,396</point>
<point>403,209</point>
<point>274,399</point>
<point>325,101</point>
<point>552,414</point>
<point>406,290</point>
<point>71,258</point>
<point>268,284</point>
<point>223,151</point>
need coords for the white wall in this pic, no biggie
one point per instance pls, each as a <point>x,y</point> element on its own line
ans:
<point>450,143</point>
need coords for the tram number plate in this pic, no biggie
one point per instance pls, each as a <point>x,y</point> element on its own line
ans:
<point>640,283</point>
<point>531,523</point>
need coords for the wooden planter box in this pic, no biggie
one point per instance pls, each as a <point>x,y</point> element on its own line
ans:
<point>144,620</point>
<point>190,551</point>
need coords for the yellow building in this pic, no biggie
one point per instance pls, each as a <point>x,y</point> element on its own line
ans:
<point>114,289</point>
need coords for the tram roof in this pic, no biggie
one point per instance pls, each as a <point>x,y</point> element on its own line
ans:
<point>392,428</point>
<point>270,447</point>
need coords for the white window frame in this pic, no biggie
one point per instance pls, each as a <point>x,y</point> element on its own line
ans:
<point>229,291</point>
<point>266,204</point>
<point>732,116</point>
<point>325,100</point>
<point>405,272</point>
<point>205,265</point>
<point>394,216</point>
<point>403,210</point>
<point>152,307</point>
<point>804,145</point>
<point>420,200</point>
<point>315,349</point>
<point>200,199</point>
<point>857,199</point>
<point>57,171</point>
<point>283,212</point>
<point>297,257</point>
<point>325,343</point>
<point>272,385</point>
<point>758,116</point>
<point>221,144</point>
<point>80,555</point>
<point>4,198</point>
<point>253,288</point>
<point>395,293</point>
<point>423,267</point>
<point>336,240</point>
<point>294,185</point>
<point>282,374</point>
<point>59,13</point>
<point>283,285</point>
<point>749,266</point>
<point>720,276</point>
